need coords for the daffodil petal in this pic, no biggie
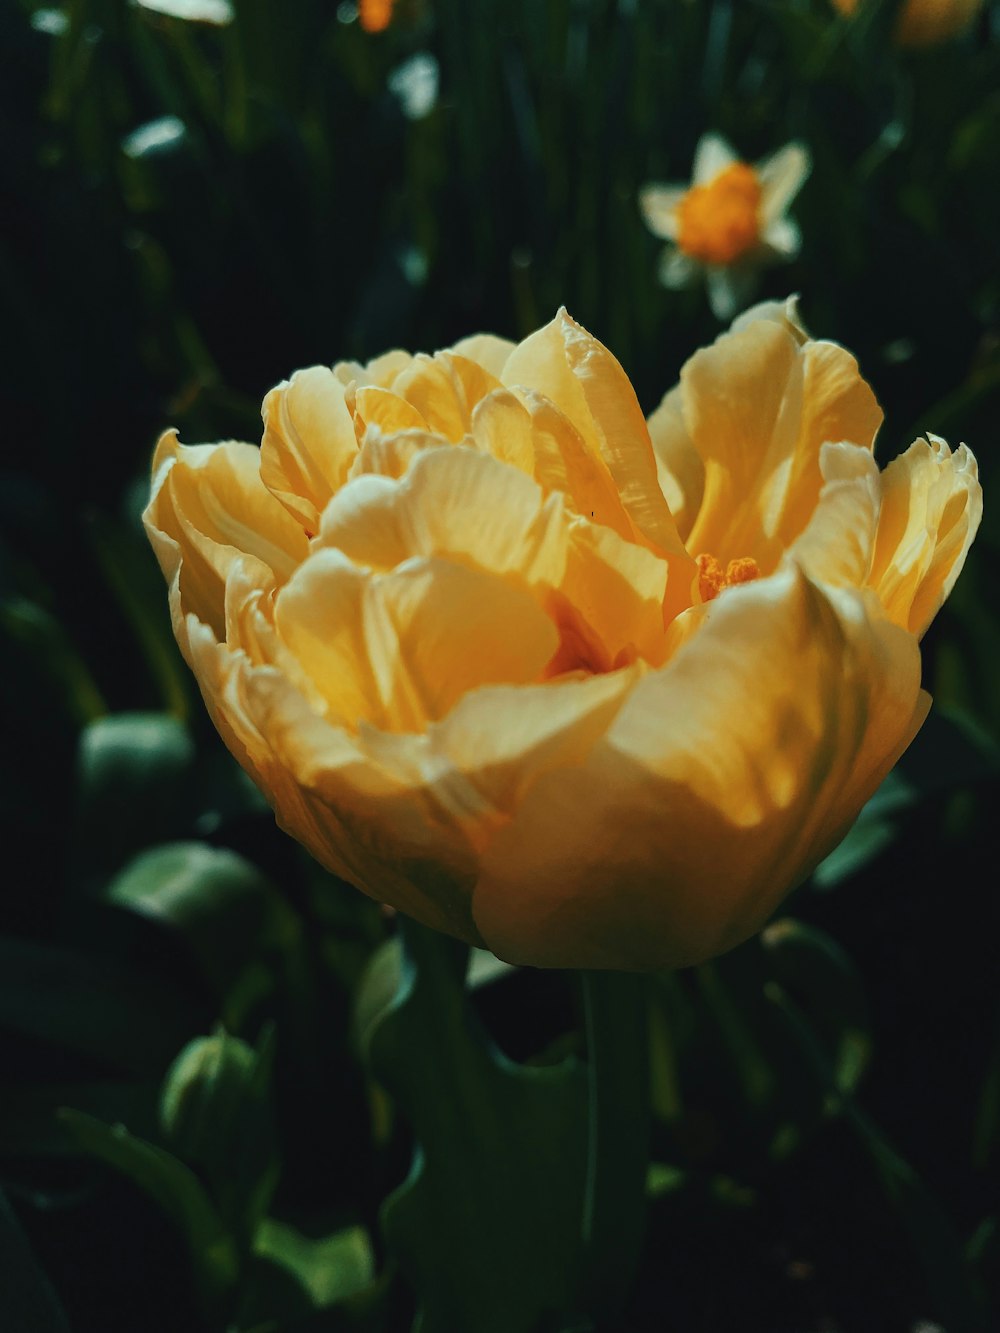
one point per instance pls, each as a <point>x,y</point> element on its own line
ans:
<point>713,154</point>
<point>781,176</point>
<point>676,270</point>
<point>658,205</point>
<point>784,237</point>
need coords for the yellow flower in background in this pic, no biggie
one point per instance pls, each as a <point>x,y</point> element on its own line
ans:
<point>924,22</point>
<point>729,222</point>
<point>588,691</point>
<point>375,15</point>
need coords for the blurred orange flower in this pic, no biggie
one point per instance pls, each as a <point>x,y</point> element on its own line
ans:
<point>588,691</point>
<point>925,22</point>
<point>375,15</point>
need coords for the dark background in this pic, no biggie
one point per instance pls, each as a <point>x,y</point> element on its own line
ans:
<point>829,1166</point>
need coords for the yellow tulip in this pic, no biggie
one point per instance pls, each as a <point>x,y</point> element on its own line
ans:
<point>925,22</point>
<point>588,691</point>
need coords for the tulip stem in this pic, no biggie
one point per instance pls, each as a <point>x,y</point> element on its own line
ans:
<point>614,1204</point>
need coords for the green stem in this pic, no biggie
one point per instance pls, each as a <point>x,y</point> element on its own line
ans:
<point>614,1203</point>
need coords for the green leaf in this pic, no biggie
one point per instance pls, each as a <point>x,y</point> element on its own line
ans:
<point>95,1006</point>
<point>43,642</point>
<point>29,1303</point>
<point>932,1233</point>
<point>330,1269</point>
<point>228,913</point>
<point>216,1112</point>
<point>487,1226</point>
<point>814,968</point>
<point>948,753</point>
<point>133,782</point>
<point>174,1189</point>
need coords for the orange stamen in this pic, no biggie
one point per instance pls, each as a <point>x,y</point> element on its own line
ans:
<point>719,221</point>
<point>712,579</point>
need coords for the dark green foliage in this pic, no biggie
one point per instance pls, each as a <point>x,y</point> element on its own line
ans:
<point>214,1062</point>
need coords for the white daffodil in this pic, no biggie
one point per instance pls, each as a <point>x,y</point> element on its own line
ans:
<point>729,222</point>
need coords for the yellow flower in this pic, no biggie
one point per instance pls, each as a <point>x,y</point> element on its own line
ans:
<point>586,691</point>
<point>925,22</point>
<point>729,222</point>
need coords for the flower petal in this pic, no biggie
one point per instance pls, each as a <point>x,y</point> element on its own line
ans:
<point>754,409</point>
<point>309,443</point>
<point>400,649</point>
<point>781,176</point>
<point>713,155</point>
<point>784,237</point>
<point>838,542</point>
<point>730,288</point>
<point>565,363</point>
<point>714,791</point>
<point>931,507</point>
<point>676,270</point>
<point>658,204</point>
<point>452,502</point>
<point>209,508</point>
<point>487,350</point>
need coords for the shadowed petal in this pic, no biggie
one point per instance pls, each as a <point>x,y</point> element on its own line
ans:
<point>715,789</point>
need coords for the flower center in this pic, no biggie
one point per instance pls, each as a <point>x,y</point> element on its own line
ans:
<point>712,578</point>
<point>718,221</point>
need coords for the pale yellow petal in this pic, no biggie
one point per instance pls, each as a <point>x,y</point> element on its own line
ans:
<point>742,404</point>
<point>309,443</point>
<point>838,542</point>
<point>564,463</point>
<point>679,466</point>
<point>502,427</point>
<point>932,504</point>
<point>757,406</point>
<point>837,404</point>
<point>428,385</point>
<point>586,383</point>
<point>487,350</point>
<point>452,502</point>
<point>391,455</point>
<point>716,788</point>
<point>208,508</point>
<point>358,819</point>
<point>379,372</point>
<point>622,435</point>
<point>372,406</point>
<point>400,649</point>
<point>609,607</point>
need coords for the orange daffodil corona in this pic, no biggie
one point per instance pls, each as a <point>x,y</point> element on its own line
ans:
<point>585,690</point>
<point>729,222</point>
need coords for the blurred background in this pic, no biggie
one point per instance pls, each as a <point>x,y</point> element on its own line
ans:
<point>198,197</point>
